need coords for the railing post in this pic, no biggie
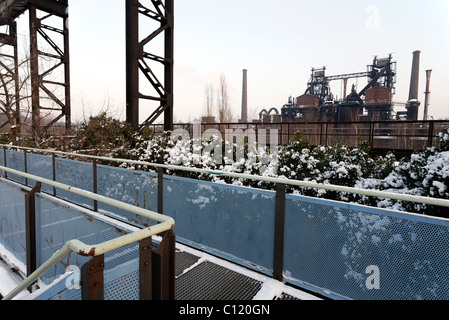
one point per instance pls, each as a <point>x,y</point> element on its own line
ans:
<point>164,268</point>
<point>4,161</point>
<point>30,222</point>
<point>26,165</point>
<point>160,190</point>
<point>145,269</point>
<point>279,232</point>
<point>92,279</point>
<point>94,166</point>
<point>53,165</point>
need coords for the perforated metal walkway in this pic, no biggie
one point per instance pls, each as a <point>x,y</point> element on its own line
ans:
<point>200,276</point>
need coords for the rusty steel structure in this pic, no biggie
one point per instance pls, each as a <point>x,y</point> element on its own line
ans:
<point>54,97</point>
<point>10,70</point>
<point>137,59</point>
<point>47,95</point>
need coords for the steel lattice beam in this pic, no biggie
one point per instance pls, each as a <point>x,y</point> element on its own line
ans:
<point>10,77</point>
<point>138,61</point>
<point>60,56</point>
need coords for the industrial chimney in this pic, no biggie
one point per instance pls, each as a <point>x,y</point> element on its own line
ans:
<point>413,103</point>
<point>244,118</point>
<point>427,93</point>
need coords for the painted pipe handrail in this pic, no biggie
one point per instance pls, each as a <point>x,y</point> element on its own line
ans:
<point>165,223</point>
<point>307,184</point>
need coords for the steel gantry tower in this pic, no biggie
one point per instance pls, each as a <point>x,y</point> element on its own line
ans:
<point>53,96</point>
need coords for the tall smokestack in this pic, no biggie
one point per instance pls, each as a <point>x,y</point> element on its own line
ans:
<point>244,118</point>
<point>414,82</point>
<point>413,103</point>
<point>427,93</point>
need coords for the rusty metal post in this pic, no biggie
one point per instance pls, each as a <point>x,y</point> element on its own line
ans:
<point>279,230</point>
<point>92,279</point>
<point>164,268</point>
<point>145,269</point>
<point>30,222</point>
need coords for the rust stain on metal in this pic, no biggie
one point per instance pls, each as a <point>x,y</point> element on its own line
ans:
<point>91,253</point>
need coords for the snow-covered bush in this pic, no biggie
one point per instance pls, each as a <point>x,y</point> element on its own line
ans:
<point>444,140</point>
<point>422,174</point>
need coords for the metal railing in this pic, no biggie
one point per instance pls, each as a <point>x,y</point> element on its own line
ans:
<point>297,183</point>
<point>165,223</point>
<point>280,220</point>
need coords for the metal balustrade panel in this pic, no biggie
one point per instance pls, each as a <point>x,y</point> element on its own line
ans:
<point>133,187</point>
<point>15,160</point>
<point>58,223</point>
<point>12,219</point>
<point>359,252</point>
<point>75,174</point>
<point>41,166</point>
<point>233,222</point>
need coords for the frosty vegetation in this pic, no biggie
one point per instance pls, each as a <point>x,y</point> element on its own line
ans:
<point>423,173</point>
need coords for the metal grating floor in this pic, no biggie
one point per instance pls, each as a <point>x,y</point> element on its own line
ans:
<point>201,279</point>
<point>208,281</point>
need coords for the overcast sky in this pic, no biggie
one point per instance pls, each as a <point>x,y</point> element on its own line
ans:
<point>277,41</point>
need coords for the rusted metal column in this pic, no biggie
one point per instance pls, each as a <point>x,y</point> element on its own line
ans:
<point>92,279</point>
<point>34,72</point>
<point>66,61</point>
<point>132,63</point>
<point>169,65</point>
